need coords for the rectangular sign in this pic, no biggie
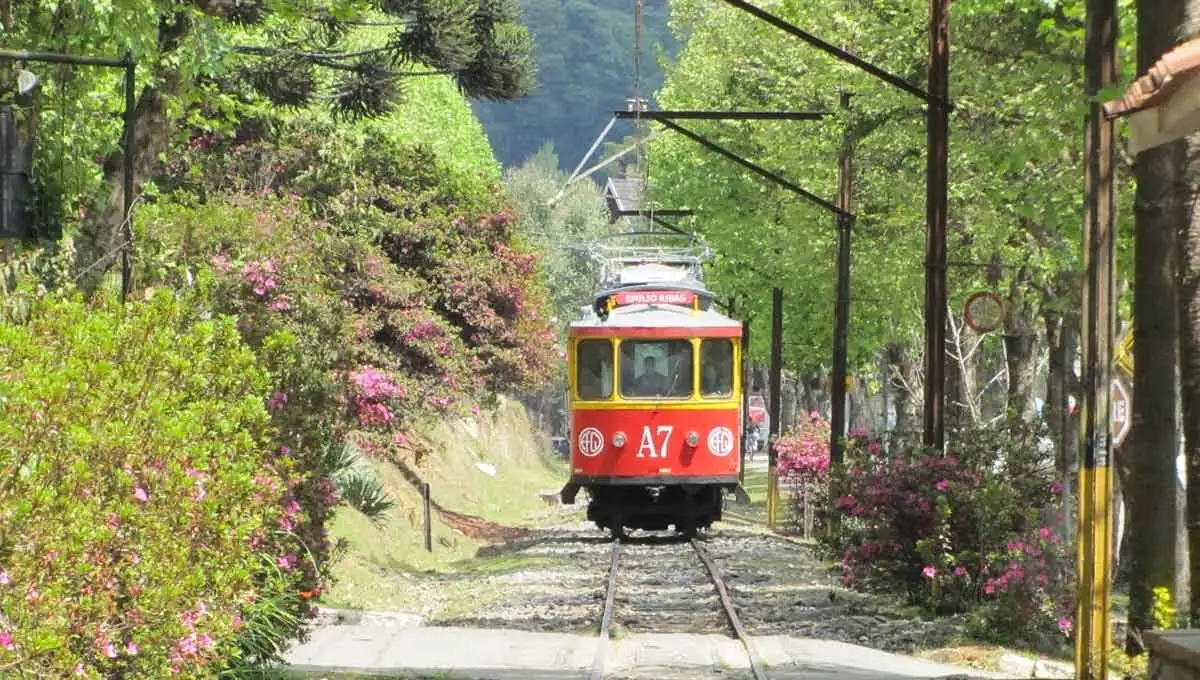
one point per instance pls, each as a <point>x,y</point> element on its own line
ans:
<point>656,297</point>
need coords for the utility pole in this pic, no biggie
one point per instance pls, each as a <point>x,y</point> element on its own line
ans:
<point>936,181</point>
<point>1094,543</point>
<point>841,323</point>
<point>776,387</point>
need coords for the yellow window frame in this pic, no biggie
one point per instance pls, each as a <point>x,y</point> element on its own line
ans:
<point>616,401</point>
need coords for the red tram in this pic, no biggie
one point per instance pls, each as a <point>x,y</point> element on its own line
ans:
<point>655,398</point>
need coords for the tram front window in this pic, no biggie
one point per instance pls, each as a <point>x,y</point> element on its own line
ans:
<point>716,368</point>
<point>656,369</point>
<point>594,374</point>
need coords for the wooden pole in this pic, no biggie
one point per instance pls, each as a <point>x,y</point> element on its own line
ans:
<point>1094,544</point>
<point>776,387</point>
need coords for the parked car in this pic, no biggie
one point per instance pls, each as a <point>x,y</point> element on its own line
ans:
<point>561,446</point>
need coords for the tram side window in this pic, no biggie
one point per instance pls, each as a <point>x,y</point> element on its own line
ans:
<point>716,368</point>
<point>656,369</point>
<point>594,370</point>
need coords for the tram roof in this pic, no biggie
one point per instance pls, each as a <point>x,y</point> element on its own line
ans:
<point>651,319</point>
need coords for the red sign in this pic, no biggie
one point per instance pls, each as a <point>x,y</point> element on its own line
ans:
<point>655,297</point>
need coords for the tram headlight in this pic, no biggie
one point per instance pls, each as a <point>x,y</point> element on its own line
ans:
<point>693,439</point>
<point>618,439</point>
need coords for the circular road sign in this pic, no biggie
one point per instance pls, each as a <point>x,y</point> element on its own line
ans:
<point>984,312</point>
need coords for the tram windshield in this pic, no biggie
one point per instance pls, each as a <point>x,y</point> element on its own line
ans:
<point>656,369</point>
<point>594,369</point>
<point>716,368</point>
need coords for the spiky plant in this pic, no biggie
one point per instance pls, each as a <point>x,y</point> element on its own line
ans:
<point>479,42</point>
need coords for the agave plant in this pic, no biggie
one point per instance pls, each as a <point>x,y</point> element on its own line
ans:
<point>357,482</point>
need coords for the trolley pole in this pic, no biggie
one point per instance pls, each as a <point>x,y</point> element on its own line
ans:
<point>776,386</point>
<point>1094,543</point>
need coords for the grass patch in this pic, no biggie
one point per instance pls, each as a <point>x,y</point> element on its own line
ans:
<point>379,568</point>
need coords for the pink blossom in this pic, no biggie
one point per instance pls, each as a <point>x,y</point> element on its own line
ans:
<point>960,571</point>
<point>286,562</point>
<point>1064,624</point>
<point>4,579</point>
<point>929,572</point>
<point>6,640</point>
<point>135,558</point>
<point>1056,488</point>
<point>140,494</point>
<point>400,439</point>
<point>942,485</point>
<point>79,670</point>
<point>131,649</point>
<point>277,402</point>
<point>110,651</point>
<point>1045,533</point>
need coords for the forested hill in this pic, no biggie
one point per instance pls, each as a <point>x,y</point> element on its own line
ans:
<point>585,57</point>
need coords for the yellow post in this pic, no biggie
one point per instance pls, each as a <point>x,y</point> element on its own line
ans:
<point>1093,550</point>
<point>772,498</point>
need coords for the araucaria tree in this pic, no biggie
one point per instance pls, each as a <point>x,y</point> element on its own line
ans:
<point>353,54</point>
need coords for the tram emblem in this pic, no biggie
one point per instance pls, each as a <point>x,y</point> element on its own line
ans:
<point>591,442</point>
<point>720,441</point>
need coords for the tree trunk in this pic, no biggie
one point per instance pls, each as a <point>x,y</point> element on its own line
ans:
<point>905,391</point>
<point>100,240</point>
<point>101,234</point>
<point>1147,461</point>
<point>1020,351</point>
<point>1056,383</point>
<point>1189,365</point>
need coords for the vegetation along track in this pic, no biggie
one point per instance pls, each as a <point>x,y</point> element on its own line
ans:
<point>669,583</point>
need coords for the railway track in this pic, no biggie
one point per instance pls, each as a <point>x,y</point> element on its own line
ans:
<point>679,616</point>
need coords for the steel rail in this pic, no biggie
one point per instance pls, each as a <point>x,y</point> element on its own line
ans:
<point>606,618</point>
<point>727,603</point>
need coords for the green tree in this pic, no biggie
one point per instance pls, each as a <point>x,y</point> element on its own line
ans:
<point>360,51</point>
<point>560,222</point>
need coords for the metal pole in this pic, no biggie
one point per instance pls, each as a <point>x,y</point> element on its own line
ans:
<point>745,395</point>
<point>937,178</point>
<point>1094,544</point>
<point>425,500</point>
<point>126,231</point>
<point>841,308</point>
<point>775,415</point>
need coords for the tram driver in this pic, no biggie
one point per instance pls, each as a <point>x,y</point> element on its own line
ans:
<point>650,383</point>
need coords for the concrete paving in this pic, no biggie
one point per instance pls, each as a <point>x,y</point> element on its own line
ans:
<point>385,648</point>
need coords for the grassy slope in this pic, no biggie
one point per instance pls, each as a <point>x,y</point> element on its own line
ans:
<point>375,573</point>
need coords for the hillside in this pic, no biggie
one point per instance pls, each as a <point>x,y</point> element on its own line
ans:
<point>585,58</point>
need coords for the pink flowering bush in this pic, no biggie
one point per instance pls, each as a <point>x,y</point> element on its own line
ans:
<point>971,530</point>
<point>804,470</point>
<point>139,481</point>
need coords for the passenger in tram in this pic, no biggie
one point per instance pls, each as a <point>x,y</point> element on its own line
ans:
<point>650,383</point>
<point>716,380</point>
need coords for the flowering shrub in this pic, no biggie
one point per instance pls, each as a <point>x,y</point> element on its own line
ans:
<point>803,465</point>
<point>138,488</point>
<point>956,531</point>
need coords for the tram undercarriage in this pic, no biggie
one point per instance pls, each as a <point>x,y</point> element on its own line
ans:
<point>621,507</point>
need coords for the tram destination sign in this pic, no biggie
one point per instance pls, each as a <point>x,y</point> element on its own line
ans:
<point>655,297</point>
